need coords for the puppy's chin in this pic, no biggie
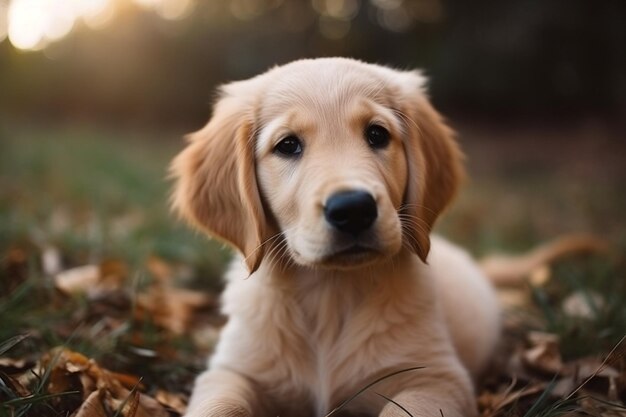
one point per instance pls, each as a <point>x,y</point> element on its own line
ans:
<point>350,258</point>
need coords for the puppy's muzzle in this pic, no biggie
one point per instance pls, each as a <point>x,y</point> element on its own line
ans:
<point>351,212</point>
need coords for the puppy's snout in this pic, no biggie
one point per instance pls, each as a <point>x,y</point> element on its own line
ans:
<point>351,211</point>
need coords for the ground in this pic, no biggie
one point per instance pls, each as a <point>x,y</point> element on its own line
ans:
<point>94,270</point>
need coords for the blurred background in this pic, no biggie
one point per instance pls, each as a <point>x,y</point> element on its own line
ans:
<point>95,96</point>
<point>155,62</point>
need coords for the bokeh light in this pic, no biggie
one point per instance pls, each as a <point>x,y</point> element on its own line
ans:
<point>27,23</point>
<point>4,11</point>
<point>34,24</point>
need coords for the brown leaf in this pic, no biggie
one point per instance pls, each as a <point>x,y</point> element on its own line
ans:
<point>113,273</point>
<point>93,280</point>
<point>159,269</point>
<point>174,402</point>
<point>14,385</point>
<point>172,308</point>
<point>11,366</point>
<point>492,403</point>
<point>92,407</point>
<point>51,260</point>
<point>544,354</point>
<point>583,304</point>
<point>133,403</point>
<point>72,369</point>
<point>149,407</point>
<point>584,368</point>
<point>127,380</point>
<point>78,280</point>
<point>14,264</point>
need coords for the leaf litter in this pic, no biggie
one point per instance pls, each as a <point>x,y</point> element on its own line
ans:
<point>133,330</point>
<point>147,323</point>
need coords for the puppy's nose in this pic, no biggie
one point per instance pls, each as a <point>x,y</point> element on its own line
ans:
<point>351,211</point>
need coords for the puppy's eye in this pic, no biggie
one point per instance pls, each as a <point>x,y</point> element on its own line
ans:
<point>377,136</point>
<point>289,146</point>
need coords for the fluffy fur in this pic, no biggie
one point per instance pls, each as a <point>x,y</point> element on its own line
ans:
<point>309,323</point>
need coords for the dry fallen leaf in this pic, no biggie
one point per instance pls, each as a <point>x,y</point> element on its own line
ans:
<point>159,269</point>
<point>77,280</point>
<point>587,367</point>
<point>544,354</point>
<point>92,407</point>
<point>10,365</point>
<point>132,403</point>
<point>175,402</point>
<point>51,260</point>
<point>172,308</point>
<point>101,389</point>
<point>492,403</point>
<point>584,305</point>
<point>14,265</point>
<point>14,385</point>
<point>92,280</point>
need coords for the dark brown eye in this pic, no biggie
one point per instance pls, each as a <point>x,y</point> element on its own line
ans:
<point>289,146</point>
<point>377,136</point>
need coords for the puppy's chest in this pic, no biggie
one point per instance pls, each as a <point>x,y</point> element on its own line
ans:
<point>347,334</point>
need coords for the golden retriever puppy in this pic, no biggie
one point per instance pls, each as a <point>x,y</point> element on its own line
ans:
<point>327,175</point>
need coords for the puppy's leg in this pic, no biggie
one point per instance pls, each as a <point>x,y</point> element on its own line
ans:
<point>221,393</point>
<point>446,395</point>
<point>428,404</point>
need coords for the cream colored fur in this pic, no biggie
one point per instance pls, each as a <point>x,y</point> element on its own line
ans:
<point>309,325</point>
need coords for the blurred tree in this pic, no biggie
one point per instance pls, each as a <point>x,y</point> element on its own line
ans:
<point>562,58</point>
<point>533,57</point>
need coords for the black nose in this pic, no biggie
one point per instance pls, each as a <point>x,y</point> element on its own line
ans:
<point>351,211</point>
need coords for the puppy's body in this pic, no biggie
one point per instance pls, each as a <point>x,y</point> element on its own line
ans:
<point>328,176</point>
<point>310,339</point>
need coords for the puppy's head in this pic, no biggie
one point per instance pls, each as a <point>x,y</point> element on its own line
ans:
<point>332,162</point>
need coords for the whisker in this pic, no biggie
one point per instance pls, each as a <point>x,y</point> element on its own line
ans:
<point>407,233</point>
<point>410,217</point>
<point>407,205</point>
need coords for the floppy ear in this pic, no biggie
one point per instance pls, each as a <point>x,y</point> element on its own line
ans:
<point>435,168</point>
<point>216,188</point>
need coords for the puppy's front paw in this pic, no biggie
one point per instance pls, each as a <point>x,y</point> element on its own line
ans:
<point>220,410</point>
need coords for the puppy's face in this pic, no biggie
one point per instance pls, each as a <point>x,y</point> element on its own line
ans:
<point>332,168</point>
<point>334,162</point>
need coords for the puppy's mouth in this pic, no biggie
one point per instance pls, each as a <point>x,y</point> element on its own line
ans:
<point>354,250</point>
<point>352,256</point>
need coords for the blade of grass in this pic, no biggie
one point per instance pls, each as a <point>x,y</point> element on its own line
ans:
<point>371,384</point>
<point>395,403</point>
<point>534,410</point>
<point>600,368</point>
<point>131,394</point>
<point>34,398</point>
<point>609,403</point>
<point>10,343</point>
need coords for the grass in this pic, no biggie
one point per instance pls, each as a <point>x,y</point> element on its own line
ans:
<point>594,282</point>
<point>94,195</point>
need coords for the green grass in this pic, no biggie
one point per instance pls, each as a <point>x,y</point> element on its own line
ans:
<point>94,196</point>
<point>581,336</point>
